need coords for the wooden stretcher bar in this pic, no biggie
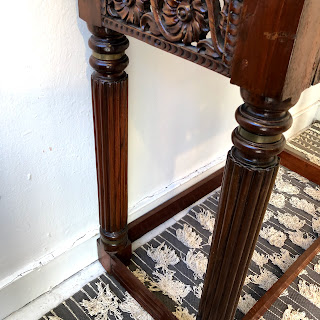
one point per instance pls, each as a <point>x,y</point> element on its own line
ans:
<point>269,48</point>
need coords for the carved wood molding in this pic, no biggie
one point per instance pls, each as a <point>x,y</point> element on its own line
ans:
<point>186,52</point>
<point>229,28</point>
<point>197,30</point>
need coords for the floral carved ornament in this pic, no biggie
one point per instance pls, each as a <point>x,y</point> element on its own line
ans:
<point>185,21</point>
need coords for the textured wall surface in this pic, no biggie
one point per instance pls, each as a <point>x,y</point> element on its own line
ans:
<point>48,190</point>
<point>180,120</point>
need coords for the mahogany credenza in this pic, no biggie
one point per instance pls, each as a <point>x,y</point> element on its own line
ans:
<point>271,50</point>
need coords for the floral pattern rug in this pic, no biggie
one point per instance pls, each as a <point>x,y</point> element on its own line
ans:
<point>307,143</point>
<point>173,264</point>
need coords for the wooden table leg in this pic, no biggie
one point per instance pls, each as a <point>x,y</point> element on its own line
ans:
<point>248,180</point>
<point>110,113</point>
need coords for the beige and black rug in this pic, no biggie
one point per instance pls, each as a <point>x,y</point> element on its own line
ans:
<point>173,264</point>
<point>307,143</point>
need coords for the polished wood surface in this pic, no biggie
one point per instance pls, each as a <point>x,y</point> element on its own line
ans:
<point>283,283</point>
<point>292,159</point>
<point>189,53</point>
<point>266,38</point>
<point>269,48</point>
<point>269,40</point>
<point>110,113</point>
<point>167,210</point>
<point>136,289</point>
<point>316,78</point>
<point>277,52</point>
<point>305,58</point>
<point>90,11</point>
<point>200,31</point>
<point>247,184</point>
<point>244,198</point>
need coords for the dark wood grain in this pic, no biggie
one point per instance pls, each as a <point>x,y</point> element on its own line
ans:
<point>316,78</point>
<point>179,27</point>
<point>281,39</point>
<point>265,41</point>
<point>305,168</point>
<point>90,11</point>
<point>283,283</point>
<point>110,115</point>
<point>268,45</point>
<point>305,56</point>
<point>229,27</point>
<point>273,50</point>
<point>160,214</point>
<point>132,285</point>
<point>167,210</point>
<point>189,53</point>
<point>244,198</point>
<point>181,22</point>
<point>247,184</point>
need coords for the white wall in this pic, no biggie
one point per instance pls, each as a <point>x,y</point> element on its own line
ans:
<point>305,111</point>
<point>180,120</point>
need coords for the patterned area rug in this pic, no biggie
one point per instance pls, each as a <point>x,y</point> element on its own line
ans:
<point>307,143</point>
<point>173,264</point>
<point>302,298</point>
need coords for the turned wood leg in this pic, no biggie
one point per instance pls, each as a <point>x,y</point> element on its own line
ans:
<point>249,176</point>
<point>110,115</point>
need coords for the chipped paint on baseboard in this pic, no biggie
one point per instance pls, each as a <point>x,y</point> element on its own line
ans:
<point>47,258</point>
<point>135,211</point>
<point>164,194</point>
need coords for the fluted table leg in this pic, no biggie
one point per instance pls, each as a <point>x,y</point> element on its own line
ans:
<point>110,113</point>
<point>249,176</point>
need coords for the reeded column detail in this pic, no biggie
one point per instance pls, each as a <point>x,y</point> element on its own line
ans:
<point>110,114</point>
<point>249,176</point>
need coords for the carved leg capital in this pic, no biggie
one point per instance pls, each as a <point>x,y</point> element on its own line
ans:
<point>248,181</point>
<point>110,114</point>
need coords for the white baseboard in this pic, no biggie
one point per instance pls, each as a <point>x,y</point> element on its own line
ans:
<point>41,276</point>
<point>51,299</point>
<point>28,284</point>
<point>303,119</point>
<point>34,283</point>
<point>176,187</point>
<point>48,301</point>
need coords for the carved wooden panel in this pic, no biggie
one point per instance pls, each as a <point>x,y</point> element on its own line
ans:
<point>201,31</point>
